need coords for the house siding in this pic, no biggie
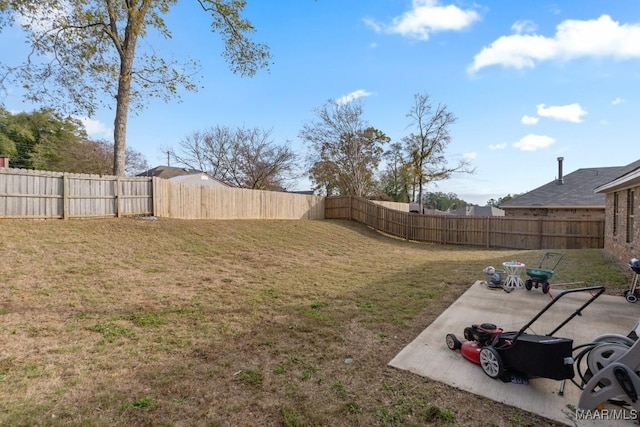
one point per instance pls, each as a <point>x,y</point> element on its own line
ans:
<point>557,213</point>
<point>616,243</point>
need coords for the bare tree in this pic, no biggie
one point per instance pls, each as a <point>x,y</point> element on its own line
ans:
<point>426,145</point>
<point>245,157</point>
<point>345,150</point>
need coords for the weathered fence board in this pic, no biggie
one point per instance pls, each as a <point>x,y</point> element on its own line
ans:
<point>41,194</point>
<point>188,201</point>
<point>489,232</point>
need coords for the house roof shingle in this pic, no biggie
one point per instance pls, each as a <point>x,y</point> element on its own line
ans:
<point>180,174</point>
<point>630,178</point>
<point>168,172</point>
<point>576,189</point>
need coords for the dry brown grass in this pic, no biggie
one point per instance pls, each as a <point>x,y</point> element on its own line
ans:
<point>189,323</point>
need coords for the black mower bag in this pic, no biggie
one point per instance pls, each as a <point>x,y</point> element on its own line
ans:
<point>534,356</point>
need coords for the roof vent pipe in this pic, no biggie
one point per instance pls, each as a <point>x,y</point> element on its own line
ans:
<point>560,177</point>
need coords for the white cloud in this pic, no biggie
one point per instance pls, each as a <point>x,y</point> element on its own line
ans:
<point>470,156</point>
<point>529,120</point>
<point>554,9</point>
<point>95,128</point>
<point>353,96</point>
<point>533,142</point>
<point>44,17</point>
<point>617,101</point>
<point>525,26</point>
<point>498,146</point>
<point>602,37</point>
<point>378,28</point>
<point>425,17</point>
<point>570,113</point>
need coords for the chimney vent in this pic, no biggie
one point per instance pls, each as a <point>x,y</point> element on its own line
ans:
<point>560,177</point>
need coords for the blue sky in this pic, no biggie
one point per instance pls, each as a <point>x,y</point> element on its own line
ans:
<point>529,81</point>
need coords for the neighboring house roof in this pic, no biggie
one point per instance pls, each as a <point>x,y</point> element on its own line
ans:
<point>305,192</point>
<point>168,172</point>
<point>574,190</point>
<point>199,178</point>
<point>474,210</point>
<point>181,175</point>
<point>630,179</point>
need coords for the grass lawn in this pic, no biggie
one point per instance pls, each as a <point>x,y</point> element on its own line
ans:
<point>235,323</point>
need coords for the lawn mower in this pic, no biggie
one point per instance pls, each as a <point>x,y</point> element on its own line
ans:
<point>631,295</point>
<point>505,354</point>
<point>541,274</point>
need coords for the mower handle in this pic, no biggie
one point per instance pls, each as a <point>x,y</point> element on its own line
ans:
<point>578,312</point>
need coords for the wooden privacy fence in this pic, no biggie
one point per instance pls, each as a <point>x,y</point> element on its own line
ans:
<point>41,194</point>
<point>185,201</point>
<point>488,232</point>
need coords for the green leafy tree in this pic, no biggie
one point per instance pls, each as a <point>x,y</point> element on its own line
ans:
<point>7,144</point>
<point>426,146</point>
<point>345,150</point>
<point>35,139</point>
<point>443,201</point>
<point>91,157</point>
<point>87,53</point>
<point>45,140</point>
<point>496,203</point>
<point>396,180</point>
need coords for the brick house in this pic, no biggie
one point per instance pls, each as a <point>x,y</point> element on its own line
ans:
<point>622,221</point>
<point>568,196</point>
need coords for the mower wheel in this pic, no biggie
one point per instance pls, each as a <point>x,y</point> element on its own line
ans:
<point>545,287</point>
<point>453,342</point>
<point>528,284</point>
<point>631,297</point>
<point>491,362</point>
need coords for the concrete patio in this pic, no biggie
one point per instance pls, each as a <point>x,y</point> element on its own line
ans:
<point>429,356</point>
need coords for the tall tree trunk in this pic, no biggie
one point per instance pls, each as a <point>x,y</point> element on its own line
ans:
<point>120,126</point>
<point>127,53</point>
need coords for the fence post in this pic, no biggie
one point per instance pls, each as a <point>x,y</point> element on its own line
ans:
<point>407,225</point>
<point>117,195</point>
<point>540,233</point>
<point>375,218</point>
<point>154,209</point>
<point>488,230</point>
<point>444,230</point>
<point>350,204</point>
<point>65,196</point>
